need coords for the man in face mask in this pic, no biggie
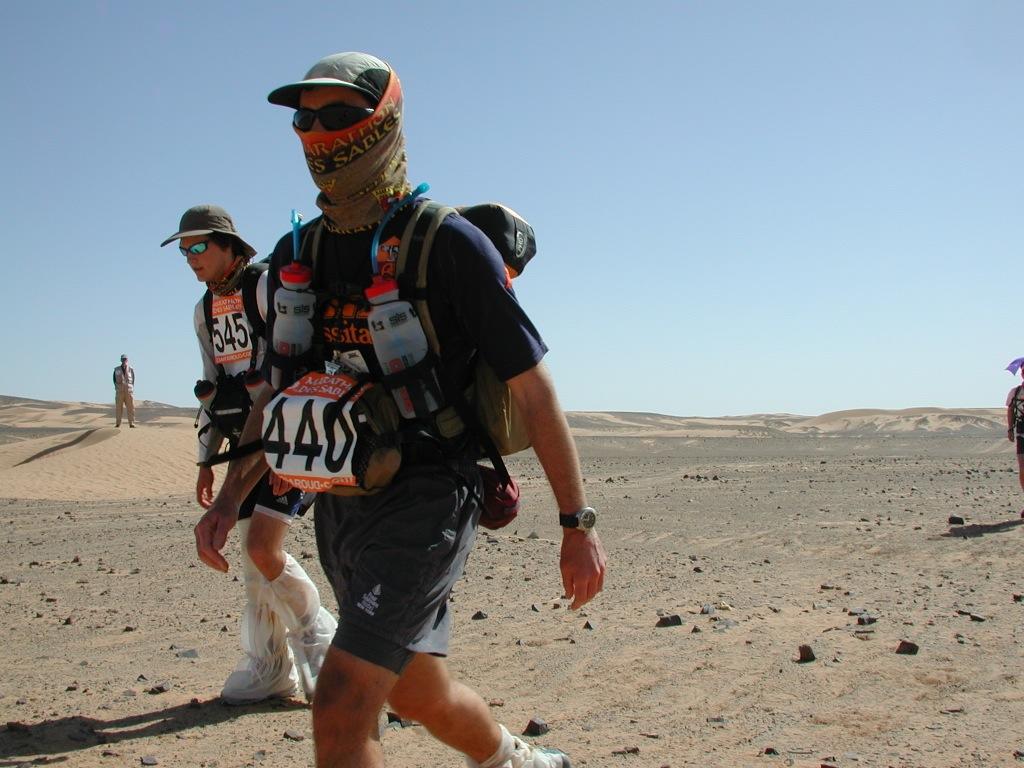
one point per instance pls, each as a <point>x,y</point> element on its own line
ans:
<point>392,557</point>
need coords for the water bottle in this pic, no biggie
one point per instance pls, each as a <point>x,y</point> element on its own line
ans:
<point>294,304</point>
<point>399,343</point>
<point>204,391</point>
<point>253,380</point>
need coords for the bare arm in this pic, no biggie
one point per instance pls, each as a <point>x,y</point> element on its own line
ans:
<point>583,560</point>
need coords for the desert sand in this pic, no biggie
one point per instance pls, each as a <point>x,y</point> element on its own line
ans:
<point>749,536</point>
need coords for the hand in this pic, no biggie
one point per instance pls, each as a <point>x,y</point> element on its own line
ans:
<point>1009,434</point>
<point>204,487</point>
<point>583,563</point>
<point>278,485</point>
<point>212,531</point>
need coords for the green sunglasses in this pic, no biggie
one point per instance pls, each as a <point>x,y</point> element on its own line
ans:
<point>195,249</point>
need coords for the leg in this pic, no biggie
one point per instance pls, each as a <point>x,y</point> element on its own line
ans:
<point>266,670</point>
<point>294,597</point>
<point>129,400</point>
<point>118,408</point>
<point>453,713</point>
<point>265,544</point>
<point>348,698</point>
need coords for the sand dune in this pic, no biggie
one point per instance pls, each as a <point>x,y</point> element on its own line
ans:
<point>979,421</point>
<point>69,450</point>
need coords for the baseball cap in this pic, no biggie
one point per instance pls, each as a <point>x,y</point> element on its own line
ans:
<point>204,219</point>
<point>124,357</point>
<point>356,71</point>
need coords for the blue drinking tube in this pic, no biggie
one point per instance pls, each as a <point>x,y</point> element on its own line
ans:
<point>296,220</point>
<point>395,208</point>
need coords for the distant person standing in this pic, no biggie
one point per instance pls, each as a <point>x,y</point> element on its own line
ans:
<point>124,386</point>
<point>1015,417</point>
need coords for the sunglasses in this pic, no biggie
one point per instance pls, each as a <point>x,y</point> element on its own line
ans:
<point>333,117</point>
<point>195,249</point>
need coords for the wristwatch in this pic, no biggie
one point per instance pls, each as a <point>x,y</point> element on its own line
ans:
<point>585,519</point>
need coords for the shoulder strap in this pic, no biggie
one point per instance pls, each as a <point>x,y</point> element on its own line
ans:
<point>250,302</point>
<point>208,312</point>
<point>414,258</point>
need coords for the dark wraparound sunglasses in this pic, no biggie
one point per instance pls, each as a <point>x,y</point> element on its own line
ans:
<point>195,249</point>
<point>333,117</point>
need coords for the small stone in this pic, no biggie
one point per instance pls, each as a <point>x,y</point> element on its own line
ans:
<point>675,620</point>
<point>707,609</point>
<point>626,751</point>
<point>149,760</point>
<point>536,727</point>
<point>195,704</point>
<point>955,520</point>
<point>190,653</point>
<point>162,687</point>
<point>770,751</point>
<point>479,615</point>
<point>695,630</point>
<point>292,735</point>
<point>805,654</point>
<point>496,703</point>
<point>866,619</point>
<point>588,625</point>
<point>908,648</point>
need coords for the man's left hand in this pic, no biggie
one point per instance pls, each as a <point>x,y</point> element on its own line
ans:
<point>583,563</point>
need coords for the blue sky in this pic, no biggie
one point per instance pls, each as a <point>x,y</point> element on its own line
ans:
<point>740,206</point>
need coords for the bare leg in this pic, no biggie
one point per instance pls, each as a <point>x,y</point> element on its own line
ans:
<point>349,695</point>
<point>265,544</point>
<point>452,712</point>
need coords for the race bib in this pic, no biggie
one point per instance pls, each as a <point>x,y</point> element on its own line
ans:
<point>310,431</point>
<point>230,333</point>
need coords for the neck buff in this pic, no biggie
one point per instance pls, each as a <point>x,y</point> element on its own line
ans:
<point>361,169</point>
<point>229,282</point>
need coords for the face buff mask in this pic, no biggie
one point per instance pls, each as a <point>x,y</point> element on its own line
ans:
<point>361,169</point>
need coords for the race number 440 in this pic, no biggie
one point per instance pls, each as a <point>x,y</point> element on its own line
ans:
<point>309,433</point>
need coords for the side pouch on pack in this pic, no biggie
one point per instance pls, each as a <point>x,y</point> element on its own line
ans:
<point>500,498</point>
<point>333,433</point>
<point>230,407</point>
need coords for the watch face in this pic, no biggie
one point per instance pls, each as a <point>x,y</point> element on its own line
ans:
<point>587,518</point>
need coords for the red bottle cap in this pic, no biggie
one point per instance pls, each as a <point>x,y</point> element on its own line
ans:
<point>382,289</point>
<point>296,276</point>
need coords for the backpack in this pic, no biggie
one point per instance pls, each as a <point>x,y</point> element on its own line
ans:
<point>231,404</point>
<point>494,415</point>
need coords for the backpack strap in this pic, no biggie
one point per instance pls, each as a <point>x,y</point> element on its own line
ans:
<point>250,302</point>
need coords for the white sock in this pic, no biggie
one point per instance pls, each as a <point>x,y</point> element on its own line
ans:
<point>503,754</point>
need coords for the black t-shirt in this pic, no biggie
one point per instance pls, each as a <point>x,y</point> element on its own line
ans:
<point>472,304</point>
